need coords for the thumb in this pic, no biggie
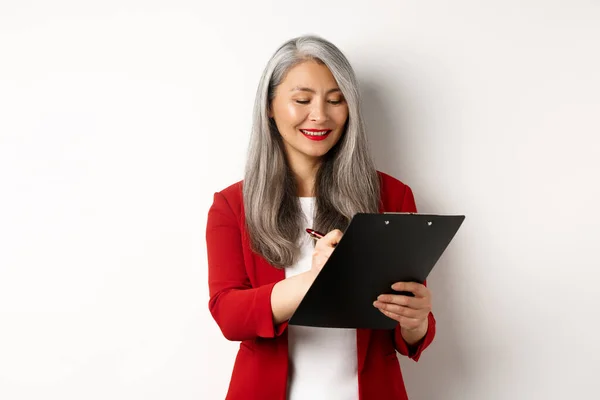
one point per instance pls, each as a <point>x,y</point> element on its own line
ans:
<point>332,238</point>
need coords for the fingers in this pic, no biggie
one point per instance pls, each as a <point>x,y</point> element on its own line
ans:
<point>408,318</point>
<point>406,323</point>
<point>405,301</point>
<point>331,239</point>
<point>326,244</point>
<point>325,247</point>
<point>409,312</point>
<point>417,289</point>
<point>399,310</point>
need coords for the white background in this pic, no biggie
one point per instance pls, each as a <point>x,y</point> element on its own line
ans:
<point>120,119</point>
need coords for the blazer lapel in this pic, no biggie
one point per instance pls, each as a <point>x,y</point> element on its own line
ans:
<point>362,346</point>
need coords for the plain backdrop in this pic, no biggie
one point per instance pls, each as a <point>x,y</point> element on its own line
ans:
<point>120,119</point>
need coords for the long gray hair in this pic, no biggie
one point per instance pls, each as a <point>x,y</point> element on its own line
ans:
<point>346,183</point>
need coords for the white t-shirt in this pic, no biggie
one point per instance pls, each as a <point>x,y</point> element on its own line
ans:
<point>323,361</point>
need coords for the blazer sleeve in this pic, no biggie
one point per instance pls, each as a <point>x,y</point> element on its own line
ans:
<point>241,311</point>
<point>414,352</point>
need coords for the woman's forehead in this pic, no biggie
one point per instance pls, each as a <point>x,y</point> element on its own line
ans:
<point>310,77</point>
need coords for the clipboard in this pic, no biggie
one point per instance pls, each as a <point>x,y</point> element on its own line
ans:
<point>376,251</point>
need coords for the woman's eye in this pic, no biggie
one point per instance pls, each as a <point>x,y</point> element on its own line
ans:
<point>334,102</point>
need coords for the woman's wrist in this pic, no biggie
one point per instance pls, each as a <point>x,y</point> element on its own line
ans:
<point>288,293</point>
<point>311,275</point>
<point>413,336</point>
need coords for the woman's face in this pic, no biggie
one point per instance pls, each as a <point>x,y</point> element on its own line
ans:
<point>309,111</point>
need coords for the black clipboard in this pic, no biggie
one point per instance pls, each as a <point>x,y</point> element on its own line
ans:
<point>376,251</point>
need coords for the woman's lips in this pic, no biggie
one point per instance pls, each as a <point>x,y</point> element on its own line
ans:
<point>315,134</point>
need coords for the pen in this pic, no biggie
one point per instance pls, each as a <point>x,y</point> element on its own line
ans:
<point>314,234</point>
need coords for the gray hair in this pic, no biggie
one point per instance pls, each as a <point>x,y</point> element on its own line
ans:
<point>347,182</point>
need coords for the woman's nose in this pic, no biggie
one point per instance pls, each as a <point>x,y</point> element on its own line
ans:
<point>318,113</point>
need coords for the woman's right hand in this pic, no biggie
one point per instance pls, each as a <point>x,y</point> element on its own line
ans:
<point>288,293</point>
<point>323,250</point>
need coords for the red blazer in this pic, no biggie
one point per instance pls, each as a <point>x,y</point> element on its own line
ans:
<point>240,284</point>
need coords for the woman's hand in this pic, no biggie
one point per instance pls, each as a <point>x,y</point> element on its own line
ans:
<point>288,293</point>
<point>410,312</point>
<point>323,250</point>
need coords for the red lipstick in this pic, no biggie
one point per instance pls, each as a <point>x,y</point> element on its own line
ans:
<point>316,137</point>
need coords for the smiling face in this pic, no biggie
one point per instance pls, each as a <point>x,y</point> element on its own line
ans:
<point>310,112</point>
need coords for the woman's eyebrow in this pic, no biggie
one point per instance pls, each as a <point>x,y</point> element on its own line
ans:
<point>307,89</point>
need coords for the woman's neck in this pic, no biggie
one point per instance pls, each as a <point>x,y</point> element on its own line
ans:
<point>306,175</point>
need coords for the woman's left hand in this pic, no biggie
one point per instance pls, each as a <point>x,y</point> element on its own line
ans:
<point>410,312</point>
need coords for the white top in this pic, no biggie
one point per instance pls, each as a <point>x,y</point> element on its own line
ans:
<point>323,361</point>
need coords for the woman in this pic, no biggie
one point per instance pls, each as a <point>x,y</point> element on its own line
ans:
<point>308,166</point>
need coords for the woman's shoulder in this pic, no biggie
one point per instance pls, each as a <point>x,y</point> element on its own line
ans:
<point>231,195</point>
<point>232,190</point>
<point>390,183</point>
<point>395,194</point>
